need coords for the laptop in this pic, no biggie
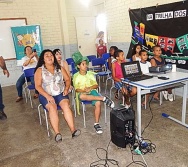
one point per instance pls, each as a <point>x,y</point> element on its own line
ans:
<point>132,71</point>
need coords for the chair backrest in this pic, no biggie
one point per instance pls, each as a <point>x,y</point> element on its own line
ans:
<point>91,57</point>
<point>73,68</point>
<point>105,56</point>
<point>29,72</point>
<point>69,60</point>
<point>98,61</point>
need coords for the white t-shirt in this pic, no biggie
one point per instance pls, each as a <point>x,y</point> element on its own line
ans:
<point>32,63</point>
<point>145,67</point>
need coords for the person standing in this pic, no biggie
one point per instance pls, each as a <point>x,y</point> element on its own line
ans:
<point>101,49</point>
<point>3,116</point>
<point>99,36</point>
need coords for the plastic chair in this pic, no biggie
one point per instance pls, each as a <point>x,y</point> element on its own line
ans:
<point>91,57</point>
<point>84,103</point>
<point>46,117</point>
<point>69,62</point>
<point>98,64</point>
<point>28,74</point>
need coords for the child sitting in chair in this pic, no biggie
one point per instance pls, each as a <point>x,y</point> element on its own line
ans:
<point>85,85</point>
<point>117,75</point>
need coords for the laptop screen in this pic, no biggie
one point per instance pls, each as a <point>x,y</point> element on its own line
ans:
<point>131,69</point>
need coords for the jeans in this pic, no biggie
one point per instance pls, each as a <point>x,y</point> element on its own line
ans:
<point>21,81</point>
<point>1,100</point>
<point>19,84</point>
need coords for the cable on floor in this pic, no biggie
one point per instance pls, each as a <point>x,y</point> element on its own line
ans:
<point>104,162</point>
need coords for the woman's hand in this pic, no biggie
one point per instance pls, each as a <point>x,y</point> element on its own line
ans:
<point>65,92</point>
<point>50,99</point>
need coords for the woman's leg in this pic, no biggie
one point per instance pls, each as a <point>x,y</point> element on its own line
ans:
<point>19,84</point>
<point>64,104</point>
<point>53,115</point>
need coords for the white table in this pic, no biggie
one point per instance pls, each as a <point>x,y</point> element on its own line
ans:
<point>145,86</point>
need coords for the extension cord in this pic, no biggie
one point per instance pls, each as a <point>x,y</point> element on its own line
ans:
<point>137,151</point>
<point>144,144</point>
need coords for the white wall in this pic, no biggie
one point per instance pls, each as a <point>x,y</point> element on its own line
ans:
<point>57,20</point>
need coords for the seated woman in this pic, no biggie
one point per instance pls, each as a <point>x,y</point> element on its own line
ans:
<point>29,61</point>
<point>59,56</point>
<point>52,83</point>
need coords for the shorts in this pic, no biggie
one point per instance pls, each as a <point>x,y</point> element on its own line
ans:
<point>94,93</point>
<point>120,85</point>
<point>57,99</point>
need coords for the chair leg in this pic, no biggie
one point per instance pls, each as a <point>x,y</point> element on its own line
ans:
<point>105,113</point>
<point>161,98</point>
<point>84,117</point>
<point>47,125</point>
<point>106,86</point>
<point>25,94</point>
<point>29,94</point>
<point>40,120</point>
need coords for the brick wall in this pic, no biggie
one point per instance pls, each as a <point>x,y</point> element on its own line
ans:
<point>50,16</point>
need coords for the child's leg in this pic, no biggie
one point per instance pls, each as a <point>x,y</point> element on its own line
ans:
<point>91,97</point>
<point>97,111</point>
<point>170,95</point>
<point>126,96</point>
<point>94,97</point>
<point>169,91</point>
<point>156,95</point>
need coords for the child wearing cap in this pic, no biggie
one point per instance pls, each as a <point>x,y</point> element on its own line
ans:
<point>85,85</point>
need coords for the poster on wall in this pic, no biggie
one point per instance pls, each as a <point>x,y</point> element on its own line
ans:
<point>26,36</point>
<point>163,25</point>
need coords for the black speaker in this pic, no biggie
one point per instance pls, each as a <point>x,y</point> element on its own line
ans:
<point>122,126</point>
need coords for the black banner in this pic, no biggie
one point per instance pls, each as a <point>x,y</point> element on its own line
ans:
<point>164,25</point>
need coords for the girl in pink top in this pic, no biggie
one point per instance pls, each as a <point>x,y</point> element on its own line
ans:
<point>117,75</point>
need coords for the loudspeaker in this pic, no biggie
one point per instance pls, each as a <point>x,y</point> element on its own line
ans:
<point>122,126</point>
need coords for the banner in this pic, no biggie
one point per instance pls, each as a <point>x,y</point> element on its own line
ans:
<point>26,36</point>
<point>164,25</point>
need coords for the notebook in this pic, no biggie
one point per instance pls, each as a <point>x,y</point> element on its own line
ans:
<point>132,71</point>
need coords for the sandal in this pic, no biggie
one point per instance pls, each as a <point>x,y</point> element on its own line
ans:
<point>116,96</point>
<point>35,96</point>
<point>76,133</point>
<point>19,99</point>
<point>58,137</point>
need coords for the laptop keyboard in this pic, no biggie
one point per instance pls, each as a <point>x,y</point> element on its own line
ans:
<point>139,77</point>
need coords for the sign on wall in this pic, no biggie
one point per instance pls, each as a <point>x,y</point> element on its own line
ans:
<point>164,25</point>
<point>26,36</point>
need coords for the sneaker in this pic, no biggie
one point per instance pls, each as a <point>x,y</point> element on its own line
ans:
<point>58,137</point>
<point>165,94</point>
<point>109,102</point>
<point>98,128</point>
<point>126,105</point>
<point>170,97</point>
<point>3,116</point>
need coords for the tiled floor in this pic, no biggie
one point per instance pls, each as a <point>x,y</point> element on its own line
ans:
<point>24,143</point>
